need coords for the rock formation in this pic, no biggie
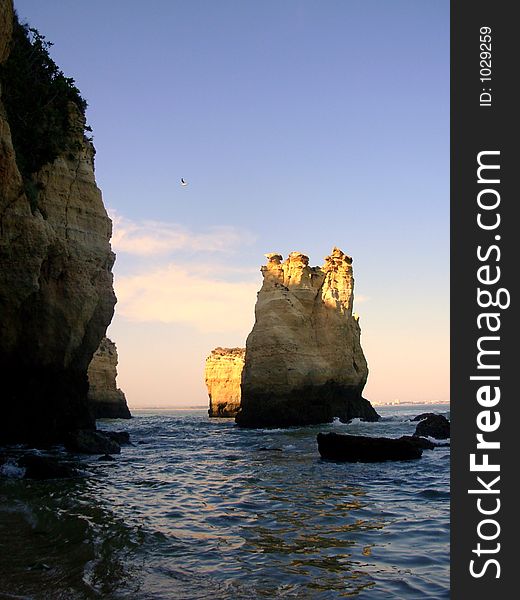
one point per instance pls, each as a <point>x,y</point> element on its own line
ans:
<point>106,399</point>
<point>223,374</point>
<point>304,363</point>
<point>435,426</point>
<point>56,295</point>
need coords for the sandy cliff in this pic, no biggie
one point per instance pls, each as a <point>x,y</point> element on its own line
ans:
<point>223,374</point>
<point>106,399</point>
<point>56,295</point>
<point>304,362</point>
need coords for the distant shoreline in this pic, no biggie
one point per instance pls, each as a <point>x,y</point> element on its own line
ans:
<point>201,407</point>
<point>205,407</point>
<point>447,402</point>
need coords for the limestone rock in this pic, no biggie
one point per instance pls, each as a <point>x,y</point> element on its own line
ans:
<point>223,374</point>
<point>304,363</point>
<point>56,295</point>
<point>106,399</point>
<point>6,27</point>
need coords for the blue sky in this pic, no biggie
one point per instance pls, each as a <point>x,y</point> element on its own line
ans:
<point>299,125</point>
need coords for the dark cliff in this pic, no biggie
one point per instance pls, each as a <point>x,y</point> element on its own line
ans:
<point>56,294</point>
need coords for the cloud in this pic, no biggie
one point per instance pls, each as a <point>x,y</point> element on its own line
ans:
<point>155,238</point>
<point>199,297</point>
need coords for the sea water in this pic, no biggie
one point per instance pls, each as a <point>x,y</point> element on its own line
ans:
<point>197,508</point>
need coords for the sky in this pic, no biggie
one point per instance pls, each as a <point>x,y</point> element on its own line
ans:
<point>299,125</point>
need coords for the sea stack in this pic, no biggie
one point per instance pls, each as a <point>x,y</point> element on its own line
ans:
<point>304,363</point>
<point>56,295</point>
<point>223,374</point>
<point>106,399</point>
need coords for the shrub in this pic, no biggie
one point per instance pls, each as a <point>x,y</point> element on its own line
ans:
<point>36,95</point>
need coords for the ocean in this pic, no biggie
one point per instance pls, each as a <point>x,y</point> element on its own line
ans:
<point>197,508</point>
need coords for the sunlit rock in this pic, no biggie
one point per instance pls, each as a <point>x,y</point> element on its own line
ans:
<point>304,363</point>
<point>222,375</point>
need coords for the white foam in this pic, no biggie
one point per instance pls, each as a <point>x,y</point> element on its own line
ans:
<point>12,470</point>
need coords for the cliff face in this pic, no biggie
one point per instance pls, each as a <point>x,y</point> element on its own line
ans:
<point>304,363</point>
<point>106,399</point>
<point>56,295</point>
<point>223,374</point>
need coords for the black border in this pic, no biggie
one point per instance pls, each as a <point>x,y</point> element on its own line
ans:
<point>476,128</point>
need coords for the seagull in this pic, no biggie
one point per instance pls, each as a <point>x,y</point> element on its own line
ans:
<point>183,182</point>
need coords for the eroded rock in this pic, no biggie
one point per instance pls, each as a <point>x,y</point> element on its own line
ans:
<point>56,295</point>
<point>304,363</point>
<point>106,399</point>
<point>223,374</point>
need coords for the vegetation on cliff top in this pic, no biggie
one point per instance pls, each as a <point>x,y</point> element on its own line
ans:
<point>36,95</point>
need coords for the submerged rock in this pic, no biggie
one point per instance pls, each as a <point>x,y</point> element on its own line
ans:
<point>42,467</point>
<point>121,437</point>
<point>106,399</point>
<point>423,416</point>
<point>303,362</point>
<point>106,458</point>
<point>223,374</point>
<point>87,441</point>
<point>435,426</point>
<point>33,466</point>
<point>360,448</point>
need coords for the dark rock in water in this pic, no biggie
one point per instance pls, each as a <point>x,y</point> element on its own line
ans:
<point>265,449</point>
<point>121,437</point>
<point>420,442</point>
<point>106,457</point>
<point>86,441</point>
<point>42,467</point>
<point>423,416</point>
<point>37,566</point>
<point>360,448</point>
<point>435,426</point>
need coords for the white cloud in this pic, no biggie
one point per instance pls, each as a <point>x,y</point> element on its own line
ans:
<point>156,238</point>
<point>194,296</point>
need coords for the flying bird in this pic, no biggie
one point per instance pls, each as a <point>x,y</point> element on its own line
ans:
<point>183,182</point>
